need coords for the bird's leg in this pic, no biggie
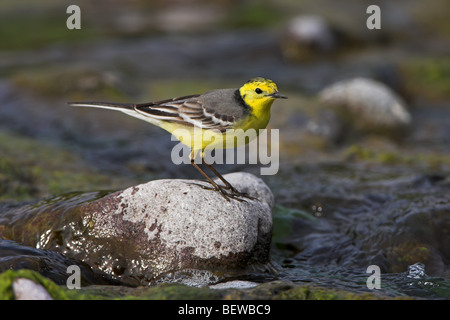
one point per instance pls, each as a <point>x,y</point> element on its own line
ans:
<point>228,185</point>
<point>216,187</point>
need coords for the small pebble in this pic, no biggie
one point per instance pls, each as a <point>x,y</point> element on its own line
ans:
<point>236,284</point>
<point>26,289</point>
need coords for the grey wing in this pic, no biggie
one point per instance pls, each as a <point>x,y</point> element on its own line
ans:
<point>208,111</point>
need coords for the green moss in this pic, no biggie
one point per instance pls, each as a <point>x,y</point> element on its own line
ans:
<point>32,168</point>
<point>405,254</point>
<point>160,292</point>
<point>283,221</point>
<point>427,77</point>
<point>356,152</point>
<point>70,83</point>
<point>177,292</point>
<point>360,153</point>
<point>316,293</point>
<point>15,180</point>
<point>272,290</point>
<point>31,25</point>
<point>252,14</point>
<point>396,157</point>
<point>8,277</point>
<point>58,292</point>
<point>432,17</point>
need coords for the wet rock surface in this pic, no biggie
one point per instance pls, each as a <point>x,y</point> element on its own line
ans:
<point>51,264</point>
<point>168,226</point>
<point>145,232</point>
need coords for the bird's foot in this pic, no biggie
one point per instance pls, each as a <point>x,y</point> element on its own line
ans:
<point>228,192</point>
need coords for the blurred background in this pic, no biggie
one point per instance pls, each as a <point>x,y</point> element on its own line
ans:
<point>139,51</point>
<point>364,136</point>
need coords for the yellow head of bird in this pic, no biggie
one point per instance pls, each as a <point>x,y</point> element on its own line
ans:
<point>259,93</point>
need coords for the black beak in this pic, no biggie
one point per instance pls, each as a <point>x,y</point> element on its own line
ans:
<point>277,95</point>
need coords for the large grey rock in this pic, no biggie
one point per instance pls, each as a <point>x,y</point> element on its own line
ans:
<point>367,105</point>
<point>172,227</point>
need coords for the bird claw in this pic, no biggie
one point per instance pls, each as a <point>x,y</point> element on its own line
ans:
<point>231,194</point>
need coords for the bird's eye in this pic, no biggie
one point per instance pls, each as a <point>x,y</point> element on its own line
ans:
<point>258,90</point>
